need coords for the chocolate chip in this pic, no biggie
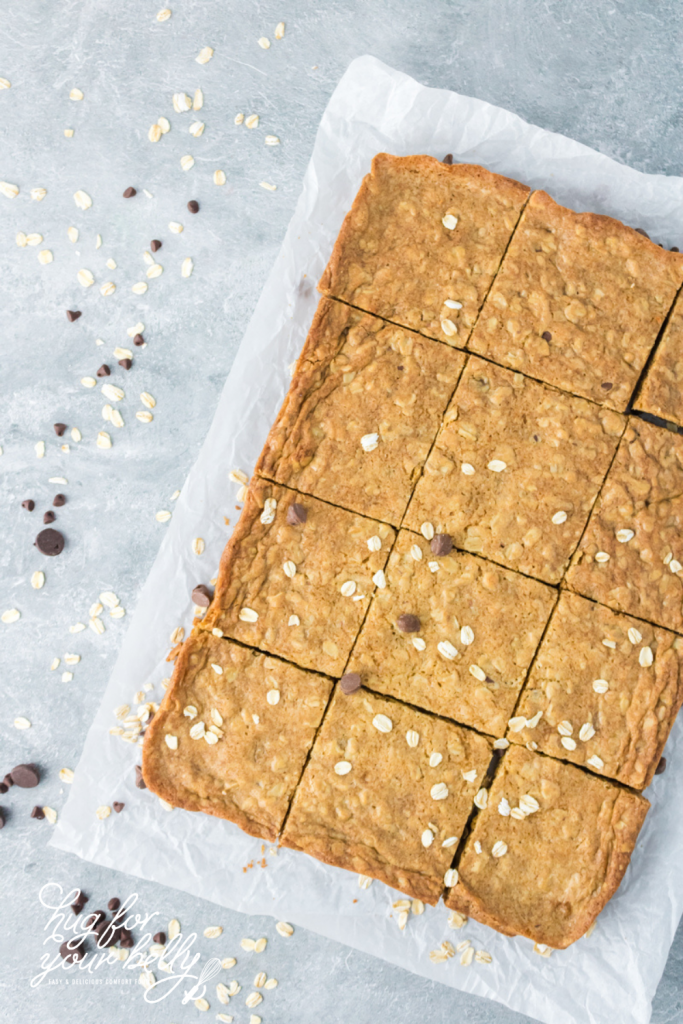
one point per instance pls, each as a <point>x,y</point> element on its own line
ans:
<point>26,776</point>
<point>160,937</point>
<point>59,500</point>
<point>674,248</point>
<point>155,245</point>
<point>71,950</point>
<point>126,941</point>
<point>547,336</point>
<point>114,903</point>
<point>73,314</point>
<point>49,517</point>
<point>202,595</point>
<point>350,682</point>
<point>104,371</point>
<point>95,918</point>
<point>130,192</point>
<point>642,231</point>
<point>60,429</point>
<point>448,159</point>
<point>29,504</point>
<point>3,788</point>
<point>50,542</point>
<point>2,818</point>
<point>138,340</point>
<point>8,780</point>
<point>139,781</point>
<point>440,544</point>
<point>661,767</point>
<point>296,515</point>
<point>193,206</point>
<point>607,385</point>
<point>79,902</point>
<point>126,363</point>
<point>408,623</point>
<point>38,813</point>
<point>118,807</point>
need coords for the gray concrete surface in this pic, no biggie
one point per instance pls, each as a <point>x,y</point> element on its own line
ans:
<point>606,73</point>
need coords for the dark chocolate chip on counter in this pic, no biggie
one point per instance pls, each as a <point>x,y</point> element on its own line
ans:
<point>661,767</point>
<point>296,514</point>
<point>60,429</point>
<point>114,903</point>
<point>138,340</point>
<point>26,776</point>
<point>202,595</point>
<point>8,780</point>
<point>50,542</point>
<point>547,336</point>
<point>160,937</point>
<point>448,159</point>
<point>3,788</point>
<point>441,544</point>
<point>103,371</point>
<point>38,813</point>
<point>79,902</point>
<point>126,363</point>
<point>2,818</point>
<point>408,623</point>
<point>29,504</point>
<point>59,500</point>
<point>139,781</point>
<point>193,206</point>
<point>155,245</point>
<point>130,192</point>
<point>72,950</point>
<point>49,517</point>
<point>350,682</point>
<point>73,314</point>
<point>118,806</point>
<point>95,918</point>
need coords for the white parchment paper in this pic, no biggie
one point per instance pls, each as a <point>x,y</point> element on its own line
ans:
<point>613,974</point>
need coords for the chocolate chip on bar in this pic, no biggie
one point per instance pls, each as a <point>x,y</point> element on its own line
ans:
<point>408,623</point>
<point>441,544</point>
<point>350,682</point>
<point>296,514</point>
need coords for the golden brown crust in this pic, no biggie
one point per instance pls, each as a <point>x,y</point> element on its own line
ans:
<point>578,302</point>
<point>395,258</point>
<point>563,861</point>
<point>661,393</point>
<point>327,551</point>
<point>373,819</point>
<point>360,376</point>
<point>638,523</point>
<point>249,774</point>
<point>619,729</point>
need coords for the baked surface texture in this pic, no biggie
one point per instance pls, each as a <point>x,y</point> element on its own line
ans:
<point>578,302</point>
<point>255,599</point>
<point>396,257</point>
<point>264,714</point>
<point>479,626</point>
<point>374,819</point>
<point>562,862</point>
<point>661,392</point>
<point>361,413</point>
<point>608,708</point>
<point>515,470</point>
<point>631,555</point>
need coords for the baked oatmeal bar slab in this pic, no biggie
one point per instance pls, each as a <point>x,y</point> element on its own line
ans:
<point>422,243</point>
<point>661,393</point>
<point>361,413</point>
<point>604,692</point>
<point>578,302</point>
<point>548,851</point>
<point>451,632</point>
<point>387,792</point>
<point>232,733</point>
<point>296,577</point>
<point>515,470</point>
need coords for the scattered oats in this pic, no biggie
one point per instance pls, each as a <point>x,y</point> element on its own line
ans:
<point>77,628</point>
<point>364,881</point>
<point>198,731</point>
<point>271,140</point>
<point>418,643</point>
<point>382,723</point>
<point>369,442</point>
<point>21,240</point>
<point>72,659</point>
<point>213,931</point>
<point>469,775</point>
<point>187,267</point>
<point>568,743</point>
<point>645,658</point>
<point>559,518</point>
<point>268,186</point>
<point>50,815</point>
<point>477,846</point>
<point>205,55</point>
<point>435,759</point>
<point>5,83</point>
<point>482,957</point>
<point>171,741</point>
<point>448,328</point>
<point>139,288</point>
<point>68,132</point>
<point>565,728</point>
<point>112,392</point>
<point>108,288</point>
<point>82,200</point>
<point>402,919</point>
<point>224,1017</point>
<point>601,557</point>
<point>103,812</point>
<point>529,804</point>
<point>96,625</point>
<point>190,711</point>
<point>181,102</point>
<point>34,238</point>
<point>264,43</point>
<point>248,615</point>
<point>595,762</point>
<point>261,944</point>
<point>293,620</point>
<point>449,841</point>
<point>497,465</point>
<point>675,566</point>
<point>98,241</point>
<point>427,531</point>
<point>154,133</point>
<point>427,837</point>
<point>163,516</point>
<point>202,1004</point>
<point>412,738</point>
<point>9,191</point>
<point>610,643</point>
<point>45,256</point>
<point>456,919</point>
<point>273,697</point>
<point>54,664</point>
<point>452,304</point>
<point>186,162</point>
<point>446,648</point>
<point>379,579</point>
<point>279,30</point>
<point>219,177</point>
<point>451,878</point>
<point>467,956</point>
<point>449,221</point>
<point>144,417</point>
<point>499,849</point>
<point>348,589</point>
<point>586,732</point>
<point>67,677</point>
<point>147,400</point>
<point>251,121</point>
<point>467,635</point>
<point>40,449</point>
<point>501,744</point>
<point>76,94</point>
<point>504,808</point>
<point>542,949</point>
<point>481,799</point>
<point>624,536</point>
<point>439,791</point>
<point>467,468</point>
<point>66,775</point>
<point>38,580</point>
<point>197,128</point>
<point>76,434</point>
<point>11,615</point>
<point>239,118</point>
<point>21,722</point>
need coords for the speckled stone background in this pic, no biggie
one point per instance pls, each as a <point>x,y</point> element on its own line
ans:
<point>606,73</point>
